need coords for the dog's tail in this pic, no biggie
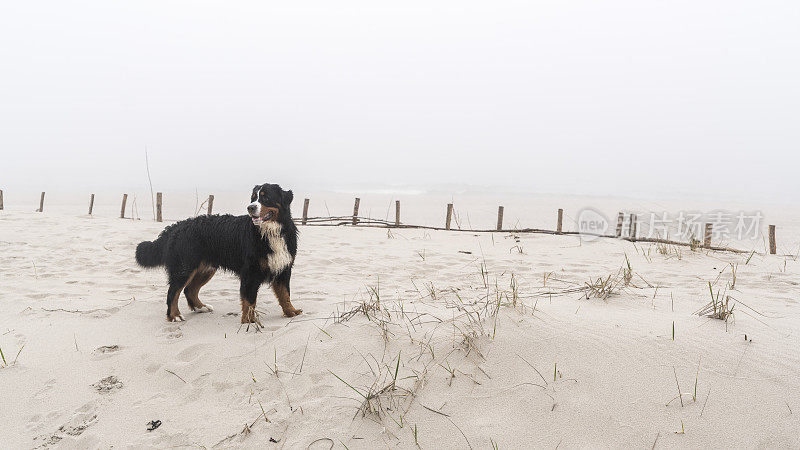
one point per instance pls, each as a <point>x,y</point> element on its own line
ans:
<point>151,254</point>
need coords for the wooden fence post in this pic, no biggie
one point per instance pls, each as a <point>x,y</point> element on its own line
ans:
<point>305,211</point>
<point>707,236</point>
<point>355,211</point>
<point>159,199</point>
<point>210,204</point>
<point>1,199</point>
<point>124,201</point>
<point>397,213</point>
<point>632,228</point>
<point>91,204</point>
<point>499,218</point>
<point>41,203</point>
<point>620,219</point>
<point>560,220</point>
<point>449,215</point>
<point>772,247</point>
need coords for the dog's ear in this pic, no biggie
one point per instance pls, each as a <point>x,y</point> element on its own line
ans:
<point>287,197</point>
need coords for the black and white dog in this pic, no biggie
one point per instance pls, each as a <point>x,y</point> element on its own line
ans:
<point>259,247</point>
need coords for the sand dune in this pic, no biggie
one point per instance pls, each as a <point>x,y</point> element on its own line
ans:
<point>408,337</point>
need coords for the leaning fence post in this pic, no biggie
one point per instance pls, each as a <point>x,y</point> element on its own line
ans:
<point>41,203</point>
<point>707,236</point>
<point>560,220</point>
<point>91,204</point>
<point>124,201</point>
<point>632,228</point>
<point>449,215</point>
<point>397,213</point>
<point>620,219</point>
<point>305,211</point>
<point>158,207</point>
<point>1,199</point>
<point>499,218</point>
<point>210,204</point>
<point>355,211</point>
<point>772,247</point>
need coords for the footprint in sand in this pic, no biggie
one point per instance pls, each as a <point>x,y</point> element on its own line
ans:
<point>105,351</point>
<point>48,386</point>
<point>190,353</point>
<point>107,384</point>
<point>82,419</point>
<point>172,332</point>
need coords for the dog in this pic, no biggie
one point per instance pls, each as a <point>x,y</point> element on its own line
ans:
<point>259,248</point>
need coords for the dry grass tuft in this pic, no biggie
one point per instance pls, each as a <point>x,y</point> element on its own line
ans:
<point>720,307</point>
<point>605,287</point>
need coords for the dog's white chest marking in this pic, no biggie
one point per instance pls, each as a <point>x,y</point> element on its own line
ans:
<point>280,258</point>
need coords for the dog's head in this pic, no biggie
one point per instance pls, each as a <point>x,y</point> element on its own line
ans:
<point>268,203</point>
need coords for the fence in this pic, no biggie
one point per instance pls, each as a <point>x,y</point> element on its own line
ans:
<point>355,220</point>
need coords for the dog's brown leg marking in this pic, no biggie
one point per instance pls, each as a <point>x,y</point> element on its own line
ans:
<point>173,305</point>
<point>283,299</point>
<point>203,275</point>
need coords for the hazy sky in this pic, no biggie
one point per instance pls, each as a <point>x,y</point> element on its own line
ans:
<point>596,97</point>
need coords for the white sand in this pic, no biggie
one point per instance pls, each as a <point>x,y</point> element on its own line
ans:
<point>72,296</point>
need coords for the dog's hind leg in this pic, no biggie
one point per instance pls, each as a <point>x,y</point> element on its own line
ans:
<point>202,275</point>
<point>177,281</point>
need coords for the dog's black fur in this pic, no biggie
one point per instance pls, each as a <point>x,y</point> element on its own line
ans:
<point>192,250</point>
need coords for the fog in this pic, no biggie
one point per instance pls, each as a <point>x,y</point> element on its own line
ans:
<point>680,98</point>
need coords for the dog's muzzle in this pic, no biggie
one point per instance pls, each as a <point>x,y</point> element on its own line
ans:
<point>260,214</point>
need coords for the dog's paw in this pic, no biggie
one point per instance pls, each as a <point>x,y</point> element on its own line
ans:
<point>178,318</point>
<point>205,308</point>
<point>292,312</point>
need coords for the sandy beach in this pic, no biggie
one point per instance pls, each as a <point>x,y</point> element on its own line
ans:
<point>522,225</point>
<point>408,338</point>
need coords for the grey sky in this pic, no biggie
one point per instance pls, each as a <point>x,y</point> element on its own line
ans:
<point>551,96</point>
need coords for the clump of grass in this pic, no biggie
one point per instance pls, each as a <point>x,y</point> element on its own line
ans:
<point>382,395</point>
<point>431,290</point>
<point>720,306</point>
<point>669,250</point>
<point>601,288</point>
<point>605,287</point>
<point>366,307</point>
<point>627,271</point>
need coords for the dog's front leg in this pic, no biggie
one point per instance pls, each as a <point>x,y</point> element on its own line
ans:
<point>248,292</point>
<point>280,286</point>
